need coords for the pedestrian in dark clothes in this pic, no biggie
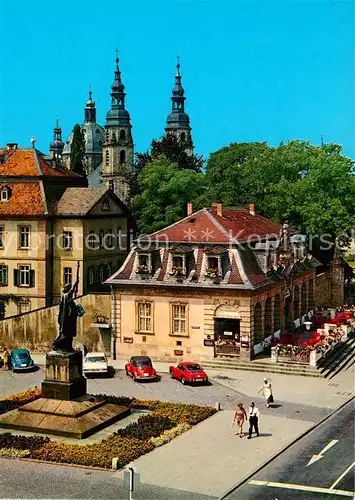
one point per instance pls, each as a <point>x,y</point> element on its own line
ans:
<point>253,419</point>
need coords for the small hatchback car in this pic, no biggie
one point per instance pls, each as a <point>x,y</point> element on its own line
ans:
<point>20,360</point>
<point>140,368</point>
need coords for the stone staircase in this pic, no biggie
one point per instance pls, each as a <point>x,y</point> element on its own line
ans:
<point>339,359</point>
<point>266,367</point>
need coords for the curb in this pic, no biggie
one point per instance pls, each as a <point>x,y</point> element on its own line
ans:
<point>278,453</point>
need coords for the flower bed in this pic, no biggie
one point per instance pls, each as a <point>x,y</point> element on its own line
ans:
<point>166,421</point>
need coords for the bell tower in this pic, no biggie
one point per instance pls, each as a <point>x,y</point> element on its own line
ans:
<point>178,122</point>
<point>117,151</point>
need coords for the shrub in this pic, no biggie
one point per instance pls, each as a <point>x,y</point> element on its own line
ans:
<point>147,426</point>
<point>169,434</point>
<point>19,399</point>
<point>14,453</point>
<point>184,413</point>
<point>115,400</point>
<point>8,440</point>
<point>95,455</point>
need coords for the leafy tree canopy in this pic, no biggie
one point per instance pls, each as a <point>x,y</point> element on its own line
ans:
<point>77,151</point>
<point>313,187</point>
<point>173,150</point>
<point>165,189</point>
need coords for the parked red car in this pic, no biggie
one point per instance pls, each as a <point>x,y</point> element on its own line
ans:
<point>140,368</point>
<point>188,372</point>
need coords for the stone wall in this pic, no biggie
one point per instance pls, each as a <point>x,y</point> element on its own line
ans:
<point>35,330</point>
<point>323,290</point>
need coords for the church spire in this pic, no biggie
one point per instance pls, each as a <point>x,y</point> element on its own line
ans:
<point>117,114</point>
<point>57,145</point>
<point>90,109</point>
<point>178,122</point>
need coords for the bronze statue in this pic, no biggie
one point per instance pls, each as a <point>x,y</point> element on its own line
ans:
<point>67,317</point>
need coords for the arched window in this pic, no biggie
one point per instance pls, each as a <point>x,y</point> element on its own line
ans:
<point>183,137</point>
<point>268,318</point>
<point>122,156</point>
<point>258,325</point>
<point>277,317</point>
<point>122,134</point>
<point>107,135</point>
<point>107,158</point>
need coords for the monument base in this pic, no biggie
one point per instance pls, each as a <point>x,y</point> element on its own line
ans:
<point>76,419</point>
<point>64,376</point>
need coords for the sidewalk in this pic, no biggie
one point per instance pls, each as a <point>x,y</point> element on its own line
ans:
<point>210,458</point>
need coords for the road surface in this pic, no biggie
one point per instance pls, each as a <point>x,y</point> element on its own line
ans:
<point>319,466</point>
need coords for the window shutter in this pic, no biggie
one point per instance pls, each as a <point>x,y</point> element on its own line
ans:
<point>5,280</point>
<point>32,278</point>
<point>16,277</point>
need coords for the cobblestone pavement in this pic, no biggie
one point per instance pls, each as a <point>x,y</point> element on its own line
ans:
<point>169,390</point>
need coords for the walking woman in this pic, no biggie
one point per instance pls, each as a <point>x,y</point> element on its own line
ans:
<point>240,417</point>
<point>5,359</point>
<point>267,391</point>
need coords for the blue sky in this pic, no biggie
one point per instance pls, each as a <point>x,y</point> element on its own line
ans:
<point>253,70</point>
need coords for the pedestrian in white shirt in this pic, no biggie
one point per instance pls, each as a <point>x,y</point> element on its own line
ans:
<point>253,419</point>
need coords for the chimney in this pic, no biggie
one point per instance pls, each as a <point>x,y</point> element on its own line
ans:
<point>189,209</point>
<point>252,209</point>
<point>219,207</point>
<point>11,146</point>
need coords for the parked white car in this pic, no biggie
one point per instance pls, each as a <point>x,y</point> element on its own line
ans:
<point>95,362</point>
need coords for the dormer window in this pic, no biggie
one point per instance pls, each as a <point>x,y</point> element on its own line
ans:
<point>143,264</point>
<point>213,266</point>
<point>5,193</point>
<point>178,265</point>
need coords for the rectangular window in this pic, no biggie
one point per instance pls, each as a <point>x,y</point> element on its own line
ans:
<point>67,276</point>
<point>178,261</point>
<point>24,306</point>
<point>67,240</point>
<point>91,275</point>
<point>93,241</point>
<point>143,260</point>
<point>3,275</point>
<point>144,314</point>
<point>179,319</point>
<point>24,275</point>
<point>1,236</point>
<point>101,237</point>
<point>109,270</point>
<point>101,274</point>
<point>109,240</point>
<point>24,237</point>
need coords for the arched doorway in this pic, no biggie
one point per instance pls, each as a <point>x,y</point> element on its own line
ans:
<point>277,315</point>
<point>268,318</point>
<point>258,324</point>
<point>227,331</point>
<point>310,295</point>
<point>303,299</point>
<point>296,303</point>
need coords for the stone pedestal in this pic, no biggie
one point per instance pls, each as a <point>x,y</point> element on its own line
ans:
<point>64,376</point>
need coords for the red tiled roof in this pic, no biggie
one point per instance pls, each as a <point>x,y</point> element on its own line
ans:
<point>28,162</point>
<point>128,268</point>
<point>235,276</point>
<point>164,265</point>
<point>205,226</point>
<point>26,199</point>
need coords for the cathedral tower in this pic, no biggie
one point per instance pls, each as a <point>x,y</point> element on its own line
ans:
<point>178,122</point>
<point>117,153</point>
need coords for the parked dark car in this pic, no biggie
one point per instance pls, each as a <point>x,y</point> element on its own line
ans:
<point>20,359</point>
<point>140,368</point>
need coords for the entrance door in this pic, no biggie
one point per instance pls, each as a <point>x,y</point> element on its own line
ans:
<point>227,337</point>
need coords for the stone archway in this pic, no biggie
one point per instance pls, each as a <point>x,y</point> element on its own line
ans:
<point>277,312</point>
<point>268,318</point>
<point>258,324</point>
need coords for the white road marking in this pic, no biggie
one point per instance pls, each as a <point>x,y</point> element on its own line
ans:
<point>302,487</point>
<point>341,476</point>
<point>315,458</point>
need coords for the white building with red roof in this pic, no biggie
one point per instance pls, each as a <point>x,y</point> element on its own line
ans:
<point>216,283</point>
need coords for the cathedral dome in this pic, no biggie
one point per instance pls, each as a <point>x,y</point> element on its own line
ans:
<point>178,119</point>
<point>94,138</point>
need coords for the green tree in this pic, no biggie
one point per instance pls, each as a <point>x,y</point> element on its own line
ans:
<point>174,150</point>
<point>313,187</point>
<point>77,151</point>
<point>165,191</point>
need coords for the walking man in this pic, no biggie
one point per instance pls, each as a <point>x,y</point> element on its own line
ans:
<point>253,419</point>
